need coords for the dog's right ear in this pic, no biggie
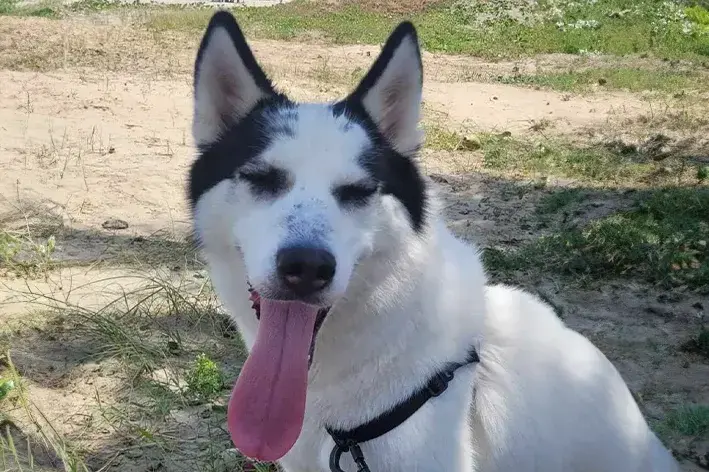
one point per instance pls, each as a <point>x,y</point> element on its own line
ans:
<point>228,82</point>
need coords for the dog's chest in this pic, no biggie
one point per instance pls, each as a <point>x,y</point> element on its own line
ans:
<point>436,437</point>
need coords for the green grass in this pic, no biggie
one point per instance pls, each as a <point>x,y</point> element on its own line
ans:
<point>549,157</point>
<point>26,255</point>
<point>689,420</point>
<point>441,139</point>
<point>556,201</point>
<point>44,9</point>
<point>479,28</point>
<point>662,239</point>
<point>631,79</point>
<point>600,163</point>
<point>450,29</point>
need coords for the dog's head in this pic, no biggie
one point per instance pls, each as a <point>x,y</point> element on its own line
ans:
<point>302,189</point>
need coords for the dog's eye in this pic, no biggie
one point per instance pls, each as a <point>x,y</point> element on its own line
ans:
<point>354,194</point>
<point>265,182</point>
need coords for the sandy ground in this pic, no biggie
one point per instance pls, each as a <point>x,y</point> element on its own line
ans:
<point>86,144</point>
<point>92,143</point>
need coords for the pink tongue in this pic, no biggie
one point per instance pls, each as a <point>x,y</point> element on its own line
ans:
<point>267,405</point>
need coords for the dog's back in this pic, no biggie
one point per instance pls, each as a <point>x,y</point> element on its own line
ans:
<point>546,399</point>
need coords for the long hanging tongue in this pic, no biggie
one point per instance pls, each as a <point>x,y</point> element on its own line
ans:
<point>267,406</point>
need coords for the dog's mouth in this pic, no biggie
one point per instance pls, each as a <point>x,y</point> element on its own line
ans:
<point>267,406</point>
<point>255,299</point>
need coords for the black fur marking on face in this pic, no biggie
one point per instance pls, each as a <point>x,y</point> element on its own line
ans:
<point>398,174</point>
<point>265,183</point>
<point>248,136</point>
<point>354,195</point>
<point>238,145</point>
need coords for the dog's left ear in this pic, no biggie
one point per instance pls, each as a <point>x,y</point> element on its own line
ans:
<point>391,91</point>
<point>228,82</point>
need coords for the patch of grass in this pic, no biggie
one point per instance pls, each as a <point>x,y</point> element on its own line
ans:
<point>441,139</point>
<point>623,78</point>
<point>559,200</point>
<point>689,420</point>
<point>26,255</point>
<point>296,20</point>
<point>548,157</point>
<point>661,239</point>
<point>697,14</point>
<point>605,26</point>
<point>7,6</point>
<point>45,9</point>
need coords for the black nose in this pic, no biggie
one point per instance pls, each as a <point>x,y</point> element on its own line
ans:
<point>305,270</point>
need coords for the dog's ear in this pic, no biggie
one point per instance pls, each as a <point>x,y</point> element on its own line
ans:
<point>228,82</point>
<point>391,91</point>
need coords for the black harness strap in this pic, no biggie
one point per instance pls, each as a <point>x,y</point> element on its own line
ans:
<point>349,441</point>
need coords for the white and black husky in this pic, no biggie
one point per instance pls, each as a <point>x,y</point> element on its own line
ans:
<point>374,341</point>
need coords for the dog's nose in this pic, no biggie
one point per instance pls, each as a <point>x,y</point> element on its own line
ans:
<point>305,270</point>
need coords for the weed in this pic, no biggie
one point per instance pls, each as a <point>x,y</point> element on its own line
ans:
<point>702,173</point>
<point>689,420</point>
<point>6,386</point>
<point>204,380</point>
<point>25,255</point>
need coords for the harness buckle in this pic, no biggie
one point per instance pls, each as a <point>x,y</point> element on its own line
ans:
<point>439,383</point>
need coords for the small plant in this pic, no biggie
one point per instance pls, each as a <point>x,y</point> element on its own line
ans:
<point>689,420</point>
<point>204,380</point>
<point>6,386</point>
<point>697,14</point>
<point>24,255</point>
<point>702,173</point>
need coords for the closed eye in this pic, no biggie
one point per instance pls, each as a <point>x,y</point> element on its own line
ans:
<point>354,194</point>
<point>265,182</point>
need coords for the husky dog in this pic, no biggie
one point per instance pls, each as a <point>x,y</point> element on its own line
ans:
<point>325,243</point>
